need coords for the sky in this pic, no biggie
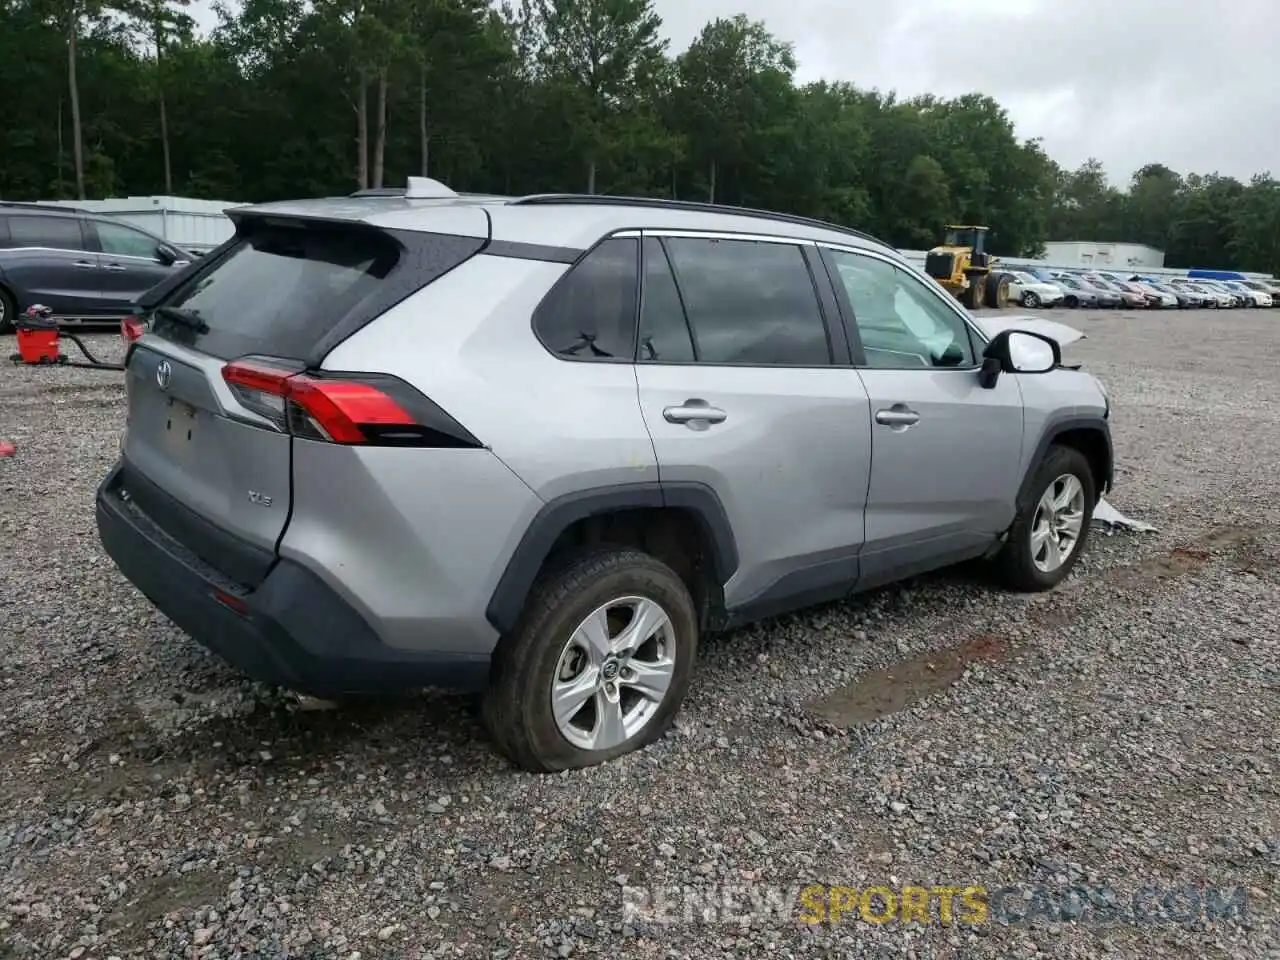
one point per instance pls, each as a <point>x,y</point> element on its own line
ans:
<point>1192,84</point>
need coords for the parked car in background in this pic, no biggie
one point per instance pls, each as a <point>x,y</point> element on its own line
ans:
<point>1107,296</point>
<point>1255,298</point>
<point>1128,298</point>
<point>1077,293</point>
<point>1237,298</point>
<point>1270,288</point>
<point>1032,292</point>
<point>1187,299</point>
<point>86,267</point>
<point>515,446</point>
<point>1210,299</point>
<point>1162,298</point>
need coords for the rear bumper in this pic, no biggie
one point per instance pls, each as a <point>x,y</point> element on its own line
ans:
<point>292,630</point>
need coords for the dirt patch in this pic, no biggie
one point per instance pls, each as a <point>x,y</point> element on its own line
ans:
<point>894,688</point>
<point>891,689</point>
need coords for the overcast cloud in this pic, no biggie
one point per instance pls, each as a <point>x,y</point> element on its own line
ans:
<point>1192,84</point>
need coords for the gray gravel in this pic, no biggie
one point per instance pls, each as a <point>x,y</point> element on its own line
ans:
<point>1120,732</point>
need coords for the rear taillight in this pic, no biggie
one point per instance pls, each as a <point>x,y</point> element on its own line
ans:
<point>371,409</point>
<point>132,329</point>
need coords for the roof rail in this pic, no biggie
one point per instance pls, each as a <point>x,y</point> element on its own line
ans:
<point>34,205</point>
<point>659,203</point>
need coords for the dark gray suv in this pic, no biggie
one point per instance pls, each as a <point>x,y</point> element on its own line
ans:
<point>87,267</point>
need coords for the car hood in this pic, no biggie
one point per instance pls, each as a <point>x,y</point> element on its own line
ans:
<point>1064,335</point>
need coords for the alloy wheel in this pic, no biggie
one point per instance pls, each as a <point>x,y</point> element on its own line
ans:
<point>614,673</point>
<point>1058,522</point>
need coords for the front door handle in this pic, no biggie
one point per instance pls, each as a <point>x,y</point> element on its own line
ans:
<point>899,415</point>
<point>85,265</point>
<point>694,411</point>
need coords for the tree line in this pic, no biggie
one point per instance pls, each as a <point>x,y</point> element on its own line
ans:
<point>290,98</point>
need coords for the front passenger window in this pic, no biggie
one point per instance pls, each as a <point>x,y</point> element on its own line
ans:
<point>901,323</point>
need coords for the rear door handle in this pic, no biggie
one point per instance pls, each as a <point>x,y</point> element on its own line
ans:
<point>85,265</point>
<point>899,415</point>
<point>114,268</point>
<point>694,411</point>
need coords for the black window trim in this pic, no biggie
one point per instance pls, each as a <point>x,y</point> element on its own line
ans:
<point>684,311</point>
<point>662,234</point>
<point>977,340</point>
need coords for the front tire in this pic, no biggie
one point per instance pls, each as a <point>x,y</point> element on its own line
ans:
<point>1051,527</point>
<point>1030,299</point>
<point>597,666</point>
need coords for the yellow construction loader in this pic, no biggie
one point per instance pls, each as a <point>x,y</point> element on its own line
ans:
<point>965,269</point>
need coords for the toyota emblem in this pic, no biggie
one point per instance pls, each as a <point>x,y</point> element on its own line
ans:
<point>163,374</point>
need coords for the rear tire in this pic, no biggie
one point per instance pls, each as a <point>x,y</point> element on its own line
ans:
<point>554,650</point>
<point>8,312</point>
<point>1026,561</point>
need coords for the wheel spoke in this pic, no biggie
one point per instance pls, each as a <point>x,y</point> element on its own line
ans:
<point>1052,553</point>
<point>610,729</point>
<point>1038,536</point>
<point>650,679</point>
<point>647,620</point>
<point>1070,489</point>
<point>570,696</point>
<point>593,635</point>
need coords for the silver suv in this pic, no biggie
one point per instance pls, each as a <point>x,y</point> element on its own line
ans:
<point>537,446</point>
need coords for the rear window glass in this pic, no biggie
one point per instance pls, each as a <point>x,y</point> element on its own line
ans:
<point>278,291</point>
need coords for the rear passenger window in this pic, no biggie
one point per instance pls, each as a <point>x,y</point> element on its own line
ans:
<point>57,233</point>
<point>664,331</point>
<point>590,314</point>
<point>749,302</point>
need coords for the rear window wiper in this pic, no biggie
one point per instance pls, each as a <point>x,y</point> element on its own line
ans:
<point>585,340</point>
<point>185,318</point>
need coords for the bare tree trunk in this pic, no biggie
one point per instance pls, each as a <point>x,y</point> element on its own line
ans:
<point>424,141</point>
<point>362,132</point>
<point>61,153</point>
<point>591,176</point>
<point>711,190</point>
<point>164,114</point>
<point>77,139</point>
<point>380,143</point>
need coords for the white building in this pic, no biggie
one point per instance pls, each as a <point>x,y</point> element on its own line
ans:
<point>1121,256</point>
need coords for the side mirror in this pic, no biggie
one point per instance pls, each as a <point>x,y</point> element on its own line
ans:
<point>170,257</point>
<point>1018,351</point>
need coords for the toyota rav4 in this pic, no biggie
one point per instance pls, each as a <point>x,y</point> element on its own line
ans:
<point>536,447</point>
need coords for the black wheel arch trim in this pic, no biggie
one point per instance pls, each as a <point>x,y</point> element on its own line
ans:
<point>556,516</point>
<point>1053,430</point>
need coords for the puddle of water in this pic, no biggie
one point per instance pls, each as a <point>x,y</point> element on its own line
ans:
<point>893,688</point>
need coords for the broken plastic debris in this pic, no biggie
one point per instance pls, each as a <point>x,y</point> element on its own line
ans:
<point>1106,513</point>
<point>7,449</point>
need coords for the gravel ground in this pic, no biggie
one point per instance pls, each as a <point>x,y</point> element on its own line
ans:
<point>1119,732</point>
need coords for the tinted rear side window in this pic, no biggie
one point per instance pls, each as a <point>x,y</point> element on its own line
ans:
<point>590,314</point>
<point>750,302</point>
<point>57,233</point>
